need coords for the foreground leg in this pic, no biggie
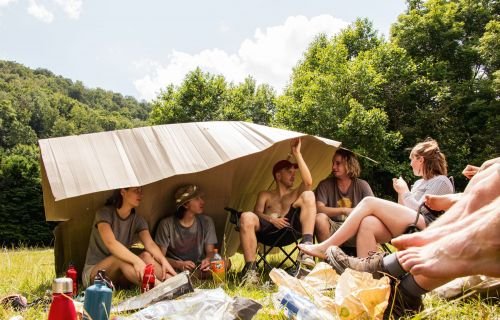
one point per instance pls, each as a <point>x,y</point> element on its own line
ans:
<point>394,216</point>
<point>473,250</point>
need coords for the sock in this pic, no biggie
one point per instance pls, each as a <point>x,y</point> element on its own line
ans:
<point>307,238</point>
<point>411,287</point>
<point>391,264</point>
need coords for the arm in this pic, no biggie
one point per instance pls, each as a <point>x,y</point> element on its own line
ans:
<point>155,251</point>
<point>119,250</point>
<point>209,253</point>
<point>305,174</point>
<point>332,211</point>
<point>401,187</point>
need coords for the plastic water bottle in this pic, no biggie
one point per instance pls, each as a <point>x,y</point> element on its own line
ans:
<point>218,268</point>
<point>148,280</point>
<point>73,275</point>
<point>97,303</point>
<point>62,306</point>
<point>296,306</point>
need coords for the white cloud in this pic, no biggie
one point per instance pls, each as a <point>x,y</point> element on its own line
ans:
<point>72,8</point>
<point>40,12</point>
<point>4,3</point>
<point>268,56</point>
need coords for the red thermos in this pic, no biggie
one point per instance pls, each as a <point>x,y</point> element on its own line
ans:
<point>62,307</point>
<point>73,275</point>
<point>148,280</point>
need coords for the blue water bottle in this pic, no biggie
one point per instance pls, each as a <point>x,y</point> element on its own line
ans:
<point>97,303</point>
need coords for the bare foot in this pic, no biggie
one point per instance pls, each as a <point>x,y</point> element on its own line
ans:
<point>441,202</point>
<point>315,250</point>
<point>472,250</point>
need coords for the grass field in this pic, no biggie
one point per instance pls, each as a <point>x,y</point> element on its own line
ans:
<point>30,272</point>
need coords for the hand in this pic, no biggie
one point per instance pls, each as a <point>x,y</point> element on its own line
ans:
<point>280,223</point>
<point>186,265</point>
<point>470,171</point>
<point>166,269</point>
<point>139,267</point>
<point>400,185</point>
<point>205,264</point>
<point>295,146</point>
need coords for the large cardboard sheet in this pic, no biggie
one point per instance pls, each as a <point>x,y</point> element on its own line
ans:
<point>230,160</point>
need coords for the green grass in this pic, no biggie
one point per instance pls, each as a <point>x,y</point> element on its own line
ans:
<point>30,272</point>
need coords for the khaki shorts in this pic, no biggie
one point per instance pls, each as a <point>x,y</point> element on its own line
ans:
<point>334,226</point>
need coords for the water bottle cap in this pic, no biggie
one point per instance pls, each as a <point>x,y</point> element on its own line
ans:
<point>62,285</point>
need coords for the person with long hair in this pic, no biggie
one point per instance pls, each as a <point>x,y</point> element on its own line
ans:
<point>376,220</point>
<point>116,227</point>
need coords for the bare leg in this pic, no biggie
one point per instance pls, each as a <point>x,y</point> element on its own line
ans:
<point>472,250</point>
<point>322,227</point>
<point>371,231</point>
<point>249,226</point>
<point>119,271</point>
<point>307,206</point>
<point>394,216</point>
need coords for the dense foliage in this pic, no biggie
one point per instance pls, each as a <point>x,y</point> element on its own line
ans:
<point>36,104</point>
<point>437,75</point>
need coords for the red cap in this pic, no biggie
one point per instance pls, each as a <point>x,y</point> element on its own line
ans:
<point>283,164</point>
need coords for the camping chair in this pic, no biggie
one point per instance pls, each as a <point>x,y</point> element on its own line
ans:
<point>276,239</point>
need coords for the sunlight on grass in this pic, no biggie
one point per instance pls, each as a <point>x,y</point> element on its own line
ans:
<point>30,272</point>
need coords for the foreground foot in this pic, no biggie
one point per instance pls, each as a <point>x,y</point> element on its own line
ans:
<point>315,250</point>
<point>341,261</point>
<point>472,250</point>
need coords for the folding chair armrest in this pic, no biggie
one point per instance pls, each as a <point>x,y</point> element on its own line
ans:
<point>234,217</point>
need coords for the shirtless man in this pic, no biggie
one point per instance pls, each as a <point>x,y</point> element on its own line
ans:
<point>274,211</point>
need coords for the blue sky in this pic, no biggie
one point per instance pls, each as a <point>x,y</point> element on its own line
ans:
<point>138,47</point>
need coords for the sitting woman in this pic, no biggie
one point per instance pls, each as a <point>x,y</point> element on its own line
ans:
<point>115,228</point>
<point>188,238</point>
<point>376,220</point>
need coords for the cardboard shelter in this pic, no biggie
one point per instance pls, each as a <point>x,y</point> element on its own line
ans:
<point>231,161</point>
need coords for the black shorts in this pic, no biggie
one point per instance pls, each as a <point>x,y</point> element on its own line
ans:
<point>270,232</point>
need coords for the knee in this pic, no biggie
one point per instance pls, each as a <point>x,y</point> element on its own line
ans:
<point>307,197</point>
<point>369,201</point>
<point>321,220</point>
<point>368,225</point>
<point>146,256</point>
<point>248,220</point>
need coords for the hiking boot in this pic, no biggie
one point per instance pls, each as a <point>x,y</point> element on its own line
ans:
<point>341,261</point>
<point>306,260</point>
<point>402,303</point>
<point>250,279</point>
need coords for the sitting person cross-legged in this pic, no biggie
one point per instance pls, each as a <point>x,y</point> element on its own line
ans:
<point>188,238</point>
<point>376,220</point>
<point>274,209</point>
<point>338,194</point>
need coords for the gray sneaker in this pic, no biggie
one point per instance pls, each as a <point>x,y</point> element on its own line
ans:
<point>341,261</point>
<point>306,260</point>
<point>250,279</point>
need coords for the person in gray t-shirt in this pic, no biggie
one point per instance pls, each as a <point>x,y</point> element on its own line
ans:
<point>116,227</point>
<point>338,194</point>
<point>188,238</point>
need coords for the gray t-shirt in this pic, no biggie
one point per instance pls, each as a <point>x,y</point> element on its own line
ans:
<point>437,185</point>
<point>186,243</point>
<point>125,231</point>
<point>329,193</point>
